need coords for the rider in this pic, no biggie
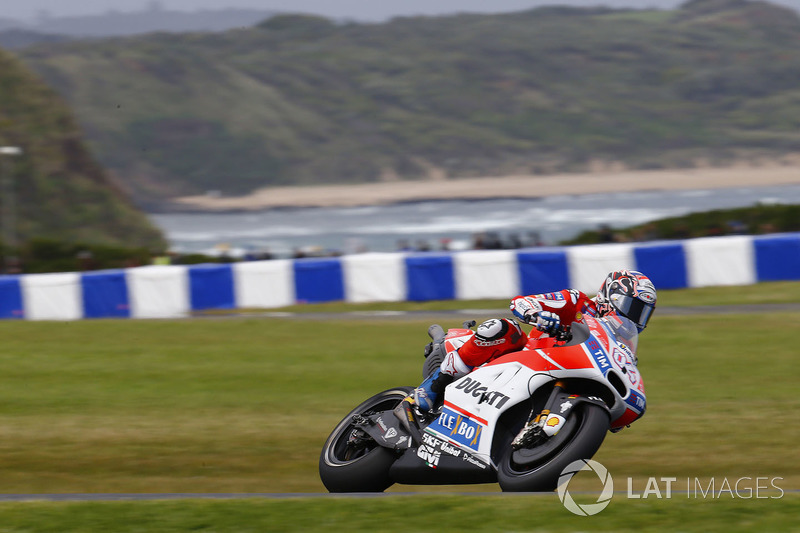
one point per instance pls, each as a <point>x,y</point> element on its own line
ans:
<point>626,292</point>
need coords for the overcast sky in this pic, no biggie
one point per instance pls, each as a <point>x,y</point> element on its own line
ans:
<point>362,10</point>
<point>359,10</point>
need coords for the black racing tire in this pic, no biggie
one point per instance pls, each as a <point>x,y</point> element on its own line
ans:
<point>362,468</point>
<point>589,426</point>
<point>434,359</point>
<point>433,362</point>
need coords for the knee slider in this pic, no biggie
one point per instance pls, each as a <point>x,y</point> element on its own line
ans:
<point>495,329</point>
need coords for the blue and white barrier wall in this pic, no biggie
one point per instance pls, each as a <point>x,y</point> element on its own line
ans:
<point>177,291</point>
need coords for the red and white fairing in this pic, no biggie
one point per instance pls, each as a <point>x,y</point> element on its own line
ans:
<point>474,403</point>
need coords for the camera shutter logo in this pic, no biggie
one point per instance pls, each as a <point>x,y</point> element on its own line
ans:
<point>588,509</point>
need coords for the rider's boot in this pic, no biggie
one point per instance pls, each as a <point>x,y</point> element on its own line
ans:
<point>406,412</point>
<point>423,399</point>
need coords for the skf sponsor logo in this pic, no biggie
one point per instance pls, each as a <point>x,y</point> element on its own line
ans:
<point>438,445</point>
<point>441,445</point>
<point>494,398</point>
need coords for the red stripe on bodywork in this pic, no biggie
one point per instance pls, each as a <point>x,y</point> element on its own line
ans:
<point>570,358</point>
<point>465,413</point>
<point>628,417</point>
<point>529,358</point>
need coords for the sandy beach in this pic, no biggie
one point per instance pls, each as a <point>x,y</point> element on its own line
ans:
<point>497,187</point>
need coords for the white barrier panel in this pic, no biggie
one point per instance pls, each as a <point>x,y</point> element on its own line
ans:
<point>264,283</point>
<point>589,265</point>
<point>720,261</point>
<point>158,291</point>
<point>52,296</point>
<point>486,274</point>
<point>167,291</point>
<point>374,277</point>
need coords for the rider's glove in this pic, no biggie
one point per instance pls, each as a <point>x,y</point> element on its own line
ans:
<point>544,321</point>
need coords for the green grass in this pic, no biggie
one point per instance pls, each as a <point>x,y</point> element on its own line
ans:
<point>754,220</point>
<point>498,513</point>
<point>778,292</point>
<point>244,405</point>
<point>541,91</point>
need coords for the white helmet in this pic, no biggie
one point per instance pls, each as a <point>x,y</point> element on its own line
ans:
<point>628,293</point>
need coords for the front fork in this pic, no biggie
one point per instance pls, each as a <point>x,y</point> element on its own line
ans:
<point>548,421</point>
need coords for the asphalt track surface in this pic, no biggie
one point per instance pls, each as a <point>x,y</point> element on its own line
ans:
<point>179,496</point>
<point>459,314</point>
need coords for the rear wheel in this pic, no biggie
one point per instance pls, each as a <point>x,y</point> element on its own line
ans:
<point>537,469</point>
<point>351,461</point>
<point>432,363</point>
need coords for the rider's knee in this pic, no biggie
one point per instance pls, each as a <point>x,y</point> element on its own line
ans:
<point>493,338</point>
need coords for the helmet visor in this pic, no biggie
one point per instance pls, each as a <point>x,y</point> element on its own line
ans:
<point>633,308</point>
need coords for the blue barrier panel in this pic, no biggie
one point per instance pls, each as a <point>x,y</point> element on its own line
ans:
<point>11,298</point>
<point>777,257</point>
<point>211,287</point>
<point>543,270</point>
<point>664,263</point>
<point>318,280</point>
<point>430,277</point>
<point>105,294</point>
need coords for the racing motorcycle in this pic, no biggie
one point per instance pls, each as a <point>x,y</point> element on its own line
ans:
<point>517,420</point>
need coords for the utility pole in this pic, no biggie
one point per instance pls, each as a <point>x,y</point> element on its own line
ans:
<point>9,207</point>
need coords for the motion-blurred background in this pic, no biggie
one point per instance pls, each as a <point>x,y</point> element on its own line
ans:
<point>129,128</point>
<point>114,113</point>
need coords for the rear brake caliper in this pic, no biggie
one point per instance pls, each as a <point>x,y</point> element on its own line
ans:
<point>358,436</point>
<point>359,420</point>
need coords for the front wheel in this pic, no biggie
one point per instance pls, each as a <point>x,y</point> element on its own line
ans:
<point>351,461</point>
<point>537,469</point>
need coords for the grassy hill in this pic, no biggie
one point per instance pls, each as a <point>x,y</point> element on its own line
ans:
<point>756,220</point>
<point>302,100</point>
<point>61,193</point>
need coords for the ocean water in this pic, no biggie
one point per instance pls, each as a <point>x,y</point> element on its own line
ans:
<point>455,224</point>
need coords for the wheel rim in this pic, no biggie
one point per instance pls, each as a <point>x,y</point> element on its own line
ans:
<point>525,461</point>
<point>346,451</point>
<point>342,449</point>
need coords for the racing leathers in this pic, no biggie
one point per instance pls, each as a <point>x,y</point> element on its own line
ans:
<point>499,336</point>
<point>569,306</point>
